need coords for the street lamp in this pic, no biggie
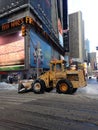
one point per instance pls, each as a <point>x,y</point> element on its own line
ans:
<point>38,57</point>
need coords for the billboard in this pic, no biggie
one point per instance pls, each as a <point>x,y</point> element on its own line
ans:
<point>7,5</point>
<point>65,26</point>
<point>65,14</point>
<point>43,53</point>
<point>60,27</point>
<point>11,51</point>
<point>43,8</point>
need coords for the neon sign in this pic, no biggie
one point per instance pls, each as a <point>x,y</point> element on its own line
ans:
<point>16,23</point>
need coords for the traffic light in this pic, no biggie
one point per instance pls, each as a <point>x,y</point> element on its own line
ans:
<point>23,29</point>
<point>96,47</point>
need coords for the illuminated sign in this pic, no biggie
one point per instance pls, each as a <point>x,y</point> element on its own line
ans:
<point>16,23</point>
<point>12,53</point>
<point>28,20</point>
<point>13,24</point>
<point>20,22</point>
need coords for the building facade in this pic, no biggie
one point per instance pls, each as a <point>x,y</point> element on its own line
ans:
<point>93,60</point>
<point>76,36</point>
<point>87,50</point>
<point>40,44</point>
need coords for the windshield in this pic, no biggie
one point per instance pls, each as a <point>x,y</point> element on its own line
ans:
<point>56,67</point>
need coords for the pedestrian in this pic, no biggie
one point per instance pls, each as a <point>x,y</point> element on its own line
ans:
<point>10,79</point>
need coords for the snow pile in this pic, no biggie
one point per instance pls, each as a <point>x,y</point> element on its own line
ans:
<point>89,89</point>
<point>4,85</point>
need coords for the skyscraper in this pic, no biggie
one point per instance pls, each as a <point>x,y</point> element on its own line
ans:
<point>76,36</point>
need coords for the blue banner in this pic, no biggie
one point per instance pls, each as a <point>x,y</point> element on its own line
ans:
<point>39,49</point>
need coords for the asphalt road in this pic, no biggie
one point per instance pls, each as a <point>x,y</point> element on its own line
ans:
<point>49,111</point>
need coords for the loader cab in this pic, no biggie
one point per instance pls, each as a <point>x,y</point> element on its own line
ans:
<point>57,65</point>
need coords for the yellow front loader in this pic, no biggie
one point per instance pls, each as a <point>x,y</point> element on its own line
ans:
<point>64,80</point>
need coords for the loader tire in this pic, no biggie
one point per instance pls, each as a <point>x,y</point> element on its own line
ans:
<point>38,86</point>
<point>64,86</point>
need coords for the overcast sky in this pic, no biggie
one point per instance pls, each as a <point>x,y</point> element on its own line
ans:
<point>89,9</point>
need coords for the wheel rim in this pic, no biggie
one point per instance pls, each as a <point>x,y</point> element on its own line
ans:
<point>63,87</point>
<point>37,87</point>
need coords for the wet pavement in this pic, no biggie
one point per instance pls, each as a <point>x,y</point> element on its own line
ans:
<point>49,111</point>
